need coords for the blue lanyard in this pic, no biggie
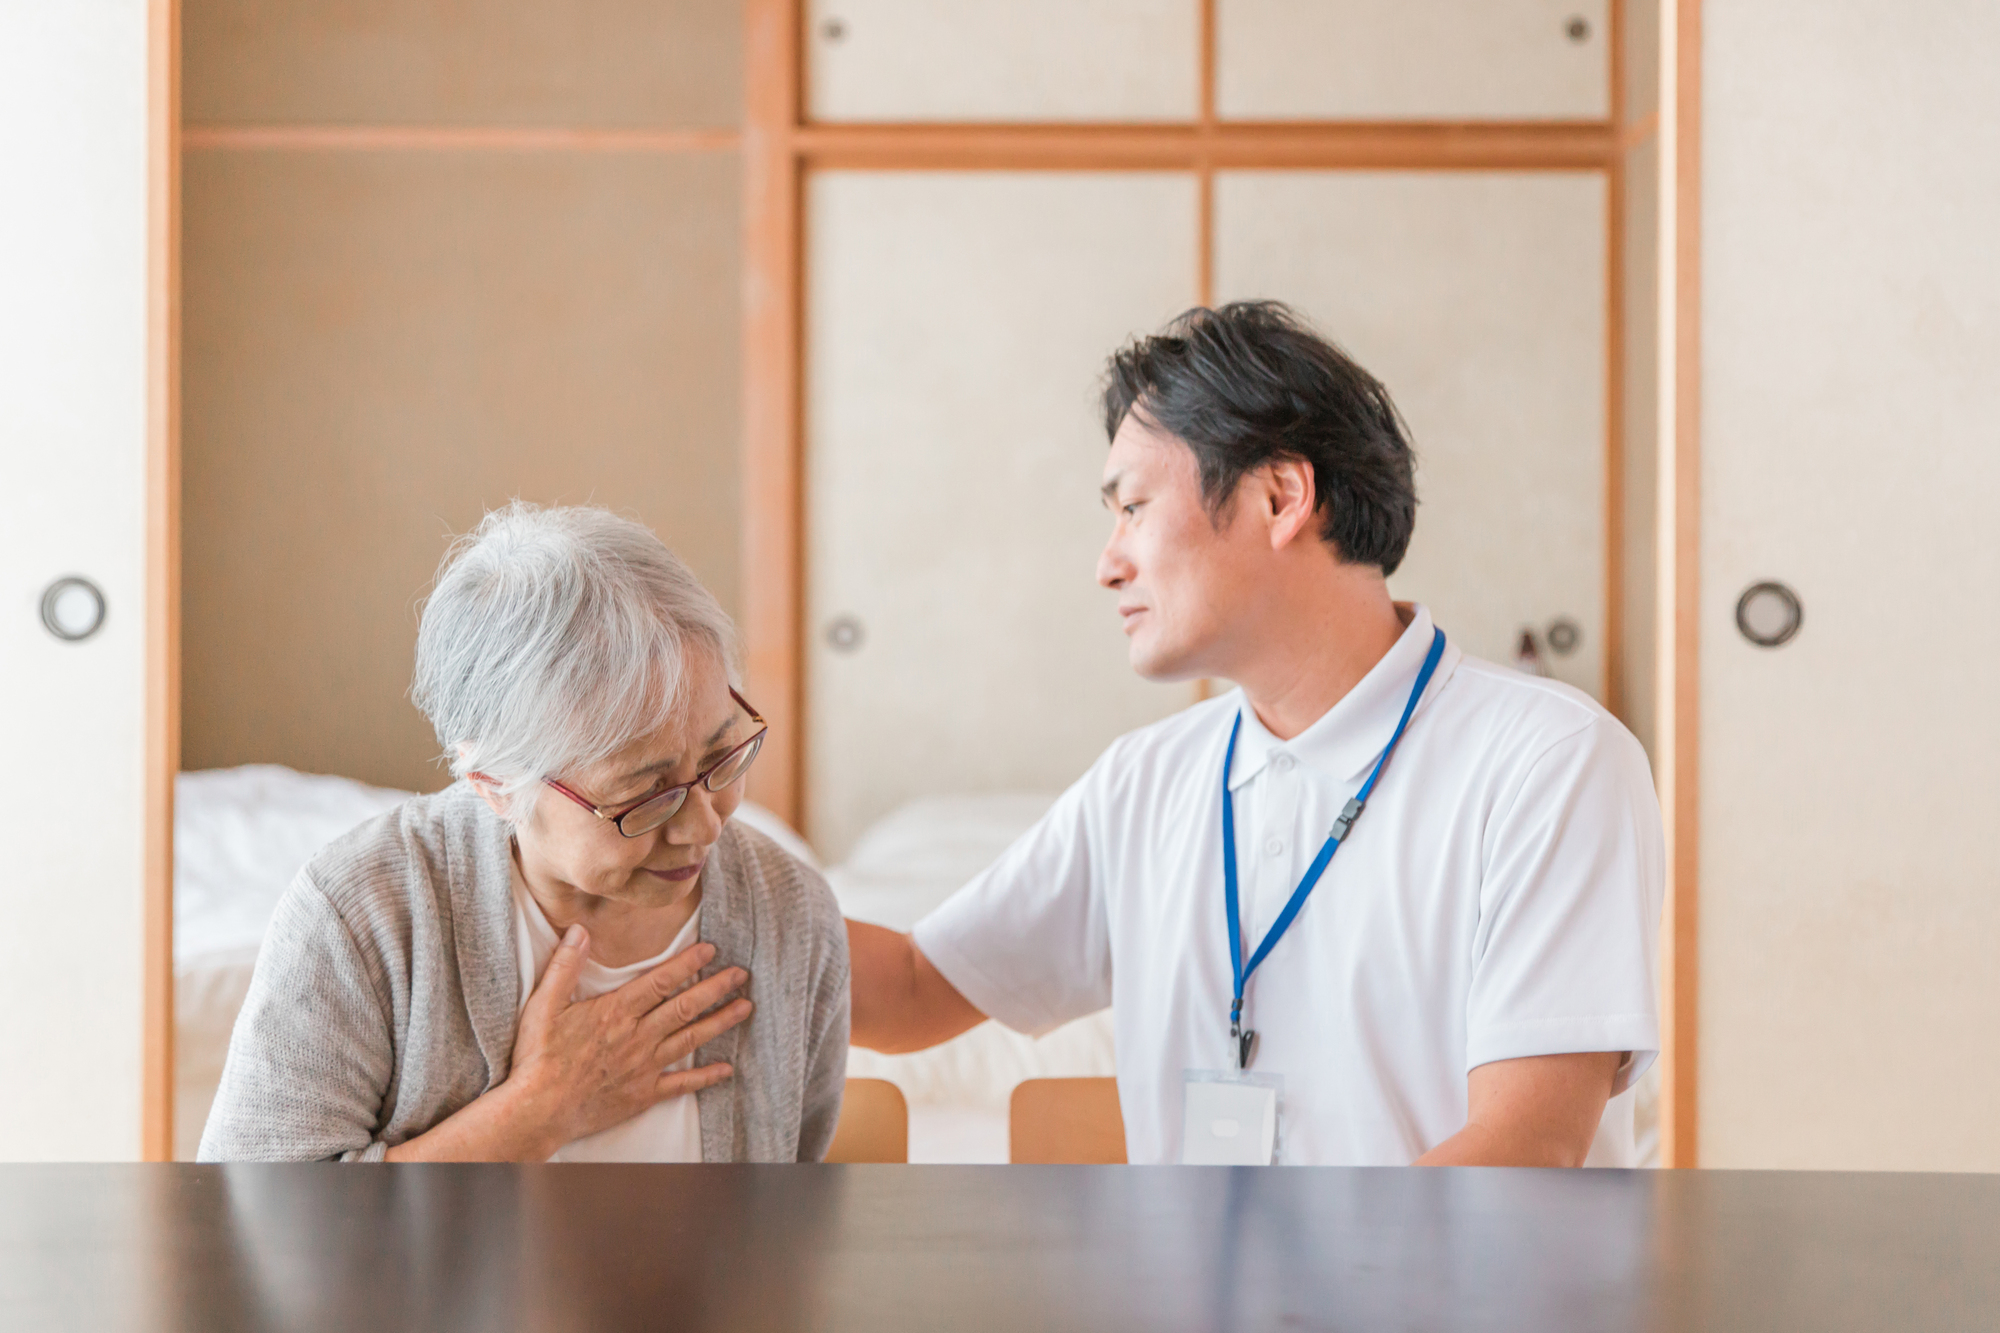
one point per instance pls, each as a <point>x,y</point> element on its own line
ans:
<point>1245,1040</point>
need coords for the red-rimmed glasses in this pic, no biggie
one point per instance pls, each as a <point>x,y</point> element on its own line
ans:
<point>649,812</point>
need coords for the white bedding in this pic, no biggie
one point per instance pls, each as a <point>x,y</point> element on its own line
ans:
<point>240,835</point>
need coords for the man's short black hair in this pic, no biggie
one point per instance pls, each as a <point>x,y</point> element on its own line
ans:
<point>1248,384</point>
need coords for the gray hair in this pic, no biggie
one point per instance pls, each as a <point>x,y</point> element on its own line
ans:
<point>552,638</point>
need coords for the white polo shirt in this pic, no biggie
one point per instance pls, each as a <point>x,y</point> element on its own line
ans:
<point>1499,898</point>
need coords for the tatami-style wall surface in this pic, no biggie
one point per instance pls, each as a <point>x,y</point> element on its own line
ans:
<point>384,341</point>
<point>600,63</point>
<point>1850,329</point>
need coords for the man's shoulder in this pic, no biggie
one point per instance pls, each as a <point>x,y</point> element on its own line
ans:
<point>1525,718</point>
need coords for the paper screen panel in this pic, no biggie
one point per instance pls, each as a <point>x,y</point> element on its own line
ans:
<point>1028,60</point>
<point>957,328</point>
<point>1412,59</point>
<point>1478,298</point>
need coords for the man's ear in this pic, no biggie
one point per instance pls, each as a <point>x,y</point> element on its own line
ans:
<point>1292,500</point>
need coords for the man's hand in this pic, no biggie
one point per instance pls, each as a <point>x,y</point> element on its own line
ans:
<point>901,1002</point>
<point>1541,1110</point>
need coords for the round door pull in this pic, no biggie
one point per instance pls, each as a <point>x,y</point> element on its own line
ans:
<point>72,609</point>
<point>1563,635</point>
<point>1769,614</point>
<point>844,634</point>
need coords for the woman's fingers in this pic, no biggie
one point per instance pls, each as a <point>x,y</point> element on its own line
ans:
<point>680,1010</point>
<point>685,1041</point>
<point>559,979</point>
<point>685,1081</point>
<point>644,993</point>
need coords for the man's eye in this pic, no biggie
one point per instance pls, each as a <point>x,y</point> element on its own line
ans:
<point>1130,510</point>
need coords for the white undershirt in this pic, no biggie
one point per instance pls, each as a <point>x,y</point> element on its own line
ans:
<point>668,1131</point>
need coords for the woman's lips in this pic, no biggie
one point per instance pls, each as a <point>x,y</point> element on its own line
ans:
<point>680,876</point>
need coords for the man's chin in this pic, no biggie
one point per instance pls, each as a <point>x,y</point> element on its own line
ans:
<point>1162,666</point>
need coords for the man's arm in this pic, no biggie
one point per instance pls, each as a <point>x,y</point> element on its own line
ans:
<point>1541,1110</point>
<point>900,1002</point>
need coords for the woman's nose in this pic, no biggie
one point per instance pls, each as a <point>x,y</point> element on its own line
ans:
<point>696,823</point>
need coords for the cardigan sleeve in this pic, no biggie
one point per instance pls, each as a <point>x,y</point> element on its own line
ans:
<point>312,1054</point>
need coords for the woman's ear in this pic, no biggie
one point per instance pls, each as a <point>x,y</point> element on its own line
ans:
<point>489,792</point>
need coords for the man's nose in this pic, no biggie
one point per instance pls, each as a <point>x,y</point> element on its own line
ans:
<point>1114,571</point>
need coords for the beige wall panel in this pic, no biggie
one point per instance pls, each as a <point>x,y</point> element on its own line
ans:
<point>1478,298</point>
<point>1641,442</point>
<point>1850,330</point>
<point>1027,60</point>
<point>464,62</point>
<point>957,327</point>
<point>1411,59</point>
<point>380,347</point>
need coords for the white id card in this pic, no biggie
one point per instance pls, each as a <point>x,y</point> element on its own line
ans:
<point>1229,1119</point>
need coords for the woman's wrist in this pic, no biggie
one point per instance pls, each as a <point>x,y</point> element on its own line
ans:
<point>533,1114</point>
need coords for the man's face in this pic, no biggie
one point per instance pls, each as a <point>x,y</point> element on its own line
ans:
<point>1180,578</point>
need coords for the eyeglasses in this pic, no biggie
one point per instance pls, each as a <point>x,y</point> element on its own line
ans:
<point>649,812</point>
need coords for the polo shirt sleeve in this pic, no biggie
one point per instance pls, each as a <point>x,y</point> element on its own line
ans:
<point>1564,959</point>
<point>1027,942</point>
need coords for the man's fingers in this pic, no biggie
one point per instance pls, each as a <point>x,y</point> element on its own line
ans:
<point>643,993</point>
<point>558,981</point>
<point>686,1041</point>
<point>686,1081</point>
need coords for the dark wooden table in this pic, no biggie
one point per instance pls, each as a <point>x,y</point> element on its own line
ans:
<point>947,1248</point>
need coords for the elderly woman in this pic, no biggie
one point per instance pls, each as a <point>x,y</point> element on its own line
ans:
<point>559,955</point>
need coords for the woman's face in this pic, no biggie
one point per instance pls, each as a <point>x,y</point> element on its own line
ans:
<point>567,844</point>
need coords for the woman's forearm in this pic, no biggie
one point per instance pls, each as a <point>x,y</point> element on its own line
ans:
<point>510,1123</point>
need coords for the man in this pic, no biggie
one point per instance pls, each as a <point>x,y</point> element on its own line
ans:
<point>1446,875</point>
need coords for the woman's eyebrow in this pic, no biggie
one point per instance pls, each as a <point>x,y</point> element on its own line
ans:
<point>715,738</point>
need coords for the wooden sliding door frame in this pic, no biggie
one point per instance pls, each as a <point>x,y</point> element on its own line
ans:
<point>1678,733</point>
<point>162,705</point>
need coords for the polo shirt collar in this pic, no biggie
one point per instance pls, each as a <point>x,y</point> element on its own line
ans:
<point>1349,736</point>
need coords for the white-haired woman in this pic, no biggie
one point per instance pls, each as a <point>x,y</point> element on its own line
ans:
<point>555,957</point>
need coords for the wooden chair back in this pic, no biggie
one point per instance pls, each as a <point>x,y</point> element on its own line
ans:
<point>874,1123</point>
<point>1066,1120</point>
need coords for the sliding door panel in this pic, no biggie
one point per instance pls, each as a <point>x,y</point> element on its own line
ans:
<point>1479,299</point>
<point>957,325</point>
<point>1413,59</point>
<point>1028,60</point>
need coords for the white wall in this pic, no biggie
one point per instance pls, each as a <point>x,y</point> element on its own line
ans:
<point>1850,882</point>
<point>73,79</point>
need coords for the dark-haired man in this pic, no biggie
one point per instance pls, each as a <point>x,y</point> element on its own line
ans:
<point>1470,978</point>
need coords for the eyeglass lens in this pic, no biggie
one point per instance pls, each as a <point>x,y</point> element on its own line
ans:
<point>642,819</point>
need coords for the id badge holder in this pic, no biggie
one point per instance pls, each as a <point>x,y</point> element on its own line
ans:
<point>1229,1118</point>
